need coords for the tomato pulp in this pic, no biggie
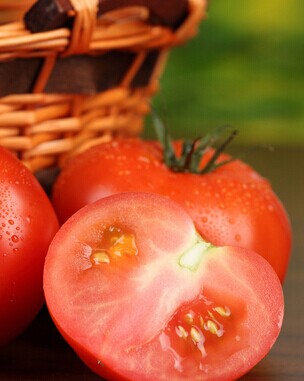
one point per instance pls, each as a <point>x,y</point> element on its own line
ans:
<point>27,226</point>
<point>233,205</point>
<point>140,296</point>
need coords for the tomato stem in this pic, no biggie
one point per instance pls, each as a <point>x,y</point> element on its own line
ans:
<point>192,151</point>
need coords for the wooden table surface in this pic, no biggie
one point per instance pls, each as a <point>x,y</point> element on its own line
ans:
<point>41,354</point>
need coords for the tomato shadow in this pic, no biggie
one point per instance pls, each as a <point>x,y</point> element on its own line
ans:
<point>41,353</point>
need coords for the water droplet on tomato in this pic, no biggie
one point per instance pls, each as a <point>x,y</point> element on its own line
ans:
<point>247,195</point>
<point>204,219</point>
<point>15,250</point>
<point>237,237</point>
<point>270,208</point>
<point>11,222</point>
<point>189,204</point>
<point>28,219</point>
<point>15,238</point>
<point>231,221</point>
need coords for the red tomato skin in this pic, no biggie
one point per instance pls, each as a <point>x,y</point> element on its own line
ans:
<point>232,276</point>
<point>232,205</point>
<point>27,225</point>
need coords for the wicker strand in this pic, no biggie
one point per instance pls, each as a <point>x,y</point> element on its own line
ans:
<point>133,34</point>
<point>83,26</point>
<point>44,74</point>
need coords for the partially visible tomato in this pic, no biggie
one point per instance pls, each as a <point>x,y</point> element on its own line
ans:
<point>27,226</point>
<point>141,296</point>
<point>232,205</point>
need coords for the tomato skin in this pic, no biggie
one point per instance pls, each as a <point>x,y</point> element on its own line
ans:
<point>233,205</point>
<point>27,226</point>
<point>115,313</point>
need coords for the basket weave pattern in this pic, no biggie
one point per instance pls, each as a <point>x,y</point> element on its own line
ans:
<point>46,129</point>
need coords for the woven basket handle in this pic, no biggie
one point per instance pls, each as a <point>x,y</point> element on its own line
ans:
<point>53,14</point>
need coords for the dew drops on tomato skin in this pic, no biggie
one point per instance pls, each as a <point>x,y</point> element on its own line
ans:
<point>189,204</point>
<point>270,208</point>
<point>222,206</point>
<point>15,239</point>
<point>124,172</point>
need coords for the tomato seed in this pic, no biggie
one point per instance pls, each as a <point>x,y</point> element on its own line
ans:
<point>181,332</point>
<point>224,312</point>
<point>195,335</point>
<point>212,327</point>
<point>99,258</point>
<point>189,318</point>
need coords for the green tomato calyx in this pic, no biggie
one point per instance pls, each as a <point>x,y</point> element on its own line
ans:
<point>192,151</point>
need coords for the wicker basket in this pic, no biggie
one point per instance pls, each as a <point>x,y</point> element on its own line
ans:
<point>44,129</point>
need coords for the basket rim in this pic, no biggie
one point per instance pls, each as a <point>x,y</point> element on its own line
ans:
<point>16,41</point>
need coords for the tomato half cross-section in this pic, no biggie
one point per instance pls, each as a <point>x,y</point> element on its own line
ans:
<point>140,296</point>
<point>27,225</point>
<point>231,205</point>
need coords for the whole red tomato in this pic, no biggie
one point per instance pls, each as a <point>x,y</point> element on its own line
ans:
<point>27,226</point>
<point>231,205</point>
<point>140,296</point>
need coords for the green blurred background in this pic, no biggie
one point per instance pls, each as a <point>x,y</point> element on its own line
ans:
<point>245,68</point>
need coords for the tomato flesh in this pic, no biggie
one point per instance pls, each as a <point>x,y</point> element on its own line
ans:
<point>140,295</point>
<point>204,328</point>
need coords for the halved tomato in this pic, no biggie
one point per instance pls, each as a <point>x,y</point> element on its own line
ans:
<point>140,295</point>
